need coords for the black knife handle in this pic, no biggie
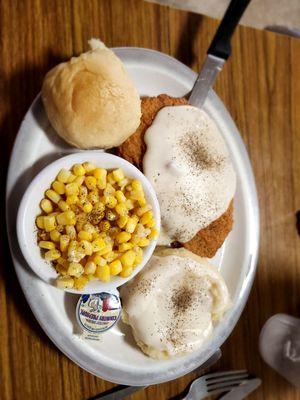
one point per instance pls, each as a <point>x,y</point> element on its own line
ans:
<point>220,46</point>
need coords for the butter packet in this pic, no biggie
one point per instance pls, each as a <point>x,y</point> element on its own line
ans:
<point>97,313</point>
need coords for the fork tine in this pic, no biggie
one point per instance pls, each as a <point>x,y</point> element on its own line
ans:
<point>221,390</point>
<point>224,373</point>
<point>224,385</point>
<point>225,378</point>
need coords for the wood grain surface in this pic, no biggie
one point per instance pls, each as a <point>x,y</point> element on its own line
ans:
<point>260,85</point>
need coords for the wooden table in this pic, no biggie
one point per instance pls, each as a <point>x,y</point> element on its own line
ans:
<point>260,86</point>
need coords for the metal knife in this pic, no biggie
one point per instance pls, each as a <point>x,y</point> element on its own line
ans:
<point>240,392</point>
<point>120,392</point>
<point>217,53</point>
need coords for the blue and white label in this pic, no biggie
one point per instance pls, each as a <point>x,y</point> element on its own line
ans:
<point>97,313</point>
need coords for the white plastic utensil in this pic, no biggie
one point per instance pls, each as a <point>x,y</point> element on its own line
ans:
<point>121,392</point>
<point>215,383</point>
<point>242,391</point>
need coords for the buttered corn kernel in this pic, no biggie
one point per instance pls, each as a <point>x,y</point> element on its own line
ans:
<point>120,196</point>
<point>104,226</point>
<point>63,175</point>
<point>110,256</point>
<point>134,239</point>
<point>83,235</point>
<point>79,180</point>
<point>123,237</point>
<point>40,222</point>
<point>98,259</point>
<point>142,210</point>
<point>94,198</point>
<point>79,283</point>
<point>126,272</point>
<point>151,223</point>
<point>66,218</point>
<point>71,231</point>
<point>101,177</point>
<point>115,267</point>
<point>111,179</point>
<point>87,247</point>
<point>75,269</point>
<point>129,204</point>
<point>53,196</point>
<point>65,282</point>
<point>64,241</point>
<point>98,244</point>
<point>136,195</point>
<point>83,192</point>
<point>109,190</point>
<point>143,242</point>
<point>100,173</point>
<point>90,268</point>
<point>142,202</point>
<point>111,202</point>
<point>103,273</point>
<point>106,249</point>
<point>87,207</point>
<point>55,235</point>
<point>122,221</point>
<point>99,207</point>
<point>61,269</point>
<point>127,259</point>
<point>110,215</point>
<point>124,247</point>
<point>131,224</point>
<point>88,166</point>
<point>62,261</point>
<point>72,199</point>
<point>71,178</point>
<point>58,187</point>
<point>146,217</point>
<point>49,223</point>
<point>121,209</point>
<point>138,260</point>
<point>153,234</point>
<point>46,206</point>
<point>91,182</point>
<point>89,228</point>
<point>136,185</point>
<point>63,205</point>
<point>46,245</point>
<point>94,224</point>
<point>118,174</point>
<point>78,170</point>
<point>52,255</point>
<point>72,189</point>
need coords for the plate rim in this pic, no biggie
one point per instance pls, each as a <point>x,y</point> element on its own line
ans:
<point>252,264</point>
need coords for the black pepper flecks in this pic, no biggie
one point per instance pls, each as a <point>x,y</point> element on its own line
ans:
<point>197,154</point>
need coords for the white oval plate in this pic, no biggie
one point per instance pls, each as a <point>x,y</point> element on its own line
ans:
<point>116,358</point>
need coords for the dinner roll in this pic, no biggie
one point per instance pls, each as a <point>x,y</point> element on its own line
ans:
<point>90,100</point>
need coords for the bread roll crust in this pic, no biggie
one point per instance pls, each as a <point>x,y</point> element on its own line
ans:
<point>91,101</point>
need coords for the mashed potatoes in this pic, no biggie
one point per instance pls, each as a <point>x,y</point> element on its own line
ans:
<point>173,303</point>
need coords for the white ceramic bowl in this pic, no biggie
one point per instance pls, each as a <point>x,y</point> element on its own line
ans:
<point>29,209</point>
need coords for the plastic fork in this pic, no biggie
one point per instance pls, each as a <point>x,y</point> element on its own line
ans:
<point>216,383</point>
